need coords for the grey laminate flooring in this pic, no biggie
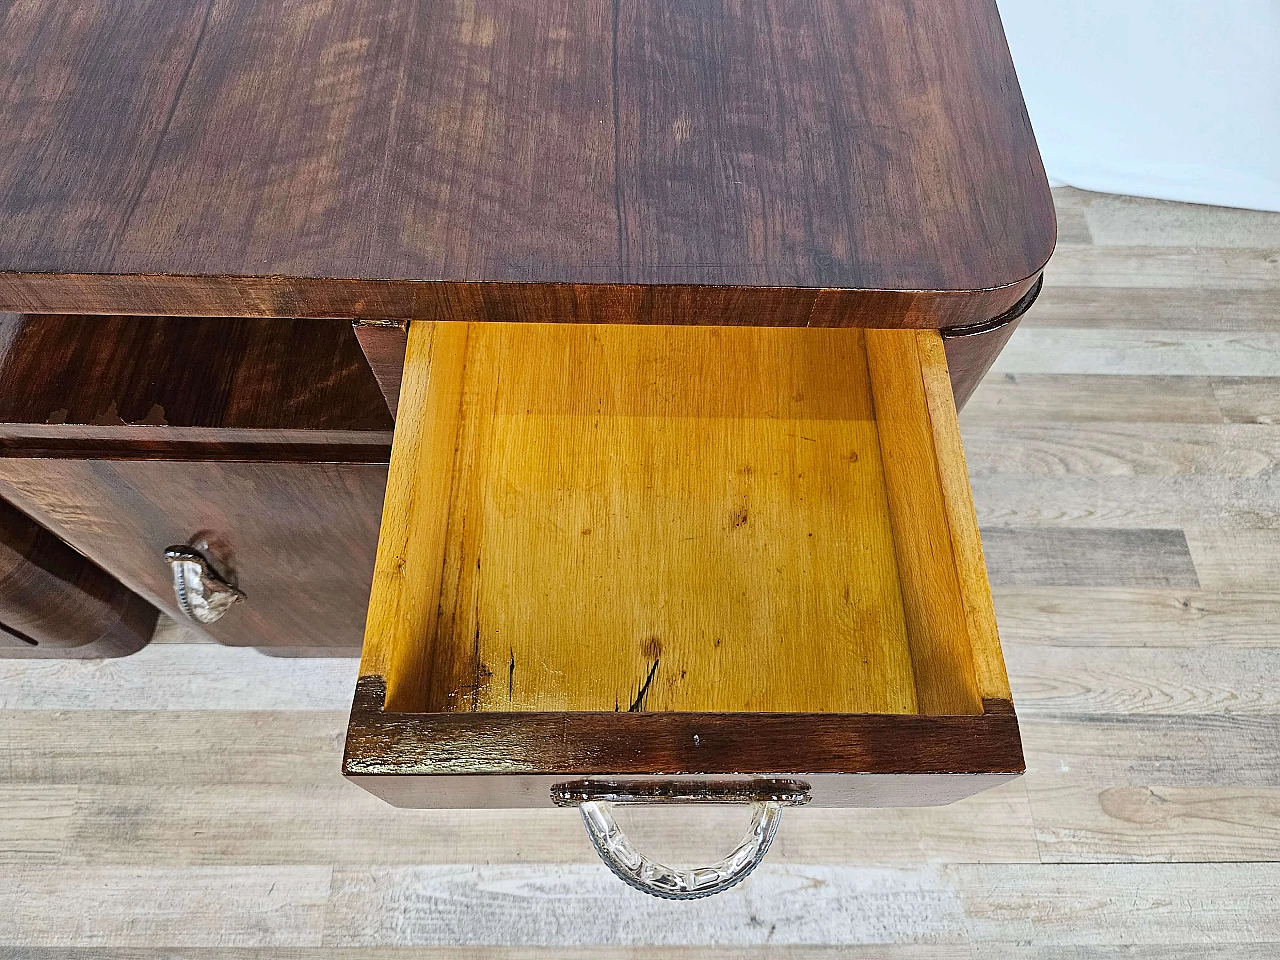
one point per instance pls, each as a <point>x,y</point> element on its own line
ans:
<point>1125,455</point>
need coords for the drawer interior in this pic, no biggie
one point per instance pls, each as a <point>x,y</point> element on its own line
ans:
<point>656,519</point>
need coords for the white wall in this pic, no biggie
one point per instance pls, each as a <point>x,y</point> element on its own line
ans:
<point>1176,99</point>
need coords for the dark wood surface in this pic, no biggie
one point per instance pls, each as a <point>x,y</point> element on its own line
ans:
<point>969,358</point>
<point>973,348</point>
<point>149,380</point>
<point>852,162</point>
<point>187,388</point>
<point>300,537</point>
<point>498,746</point>
<point>124,435</point>
<point>384,348</point>
<point>55,602</point>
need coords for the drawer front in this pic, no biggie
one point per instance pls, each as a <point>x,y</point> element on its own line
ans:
<point>298,538</point>
<point>611,553</point>
<point>56,603</point>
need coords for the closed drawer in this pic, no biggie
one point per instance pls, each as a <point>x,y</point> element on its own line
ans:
<point>685,561</point>
<point>261,443</point>
<point>297,538</point>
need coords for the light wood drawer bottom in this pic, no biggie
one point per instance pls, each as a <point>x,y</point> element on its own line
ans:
<point>662,554</point>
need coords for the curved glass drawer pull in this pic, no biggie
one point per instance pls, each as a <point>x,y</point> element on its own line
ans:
<point>595,799</point>
<point>656,879</point>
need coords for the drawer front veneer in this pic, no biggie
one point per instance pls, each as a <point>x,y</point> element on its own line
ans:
<point>299,537</point>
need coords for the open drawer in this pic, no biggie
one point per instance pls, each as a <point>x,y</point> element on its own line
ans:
<point>678,563</point>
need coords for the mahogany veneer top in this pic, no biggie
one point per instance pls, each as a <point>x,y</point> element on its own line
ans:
<point>251,156</point>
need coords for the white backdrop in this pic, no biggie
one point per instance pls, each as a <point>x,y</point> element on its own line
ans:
<point>1177,99</point>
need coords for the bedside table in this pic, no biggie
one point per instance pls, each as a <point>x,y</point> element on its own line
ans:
<point>673,304</point>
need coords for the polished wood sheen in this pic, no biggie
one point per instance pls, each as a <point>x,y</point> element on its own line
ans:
<point>54,602</point>
<point>1147,826</point>
<point>270,438</point>
<point>155,387</point>
<point>683,522</point>
<point>972,349</point>
<point>788,162</point>
<point>300,537</point>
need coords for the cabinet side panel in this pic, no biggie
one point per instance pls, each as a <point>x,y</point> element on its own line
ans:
<point>962,518</point>
<point>931,590</point>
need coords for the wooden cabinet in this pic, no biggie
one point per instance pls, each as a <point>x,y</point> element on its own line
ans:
<point>298,538</point>
<point>687,521</point>
<point>129,435</point>
<point>643,555</point>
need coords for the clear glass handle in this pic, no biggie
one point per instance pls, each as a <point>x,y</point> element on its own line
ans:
<point>201,591</point>
<point>657,879</point>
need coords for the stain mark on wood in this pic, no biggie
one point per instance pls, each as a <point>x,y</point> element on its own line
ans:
<point>638,704</point>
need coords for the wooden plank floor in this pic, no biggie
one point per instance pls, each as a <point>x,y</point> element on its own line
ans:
<point>1125,453</point>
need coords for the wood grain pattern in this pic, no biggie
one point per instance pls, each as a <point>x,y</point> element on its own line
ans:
<point>300,537</point>
<point>432,904</point>
<point>234,906</point>
<point>991,680</point>
<point>338,824</point>
<point>156,386</point>
<point>1155,308</point>
<point>1168,268</point>
<point>675,743</point>
<point>1010,399</point>
<point>123,435</point>
<point>1209,678</point>
<point>35,824</point>
<point>969,357</point>
<point>158,749</point>
<point>56,602</point>
<point>1055,557</point>
<point>1142,617</point>
<point>413,518</point>
<point>923,541</point>
<point>972,348</point>
<point>183,676</point>
<point>580,161</point>
<point>1248,399</point>
<point>1162,750</point>
<point>1121,221</point>
<point>1120,450</point>
<point>384,348</point>
<point>1144,352</point>
<point>578,526</point>
<point>1216,906</point>
<point>594,952</point>
<point>1235,560</point>
<point>1135,824</point>
<point>1128,502</point>
<point>705,473</point>
<point>255,786</point>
